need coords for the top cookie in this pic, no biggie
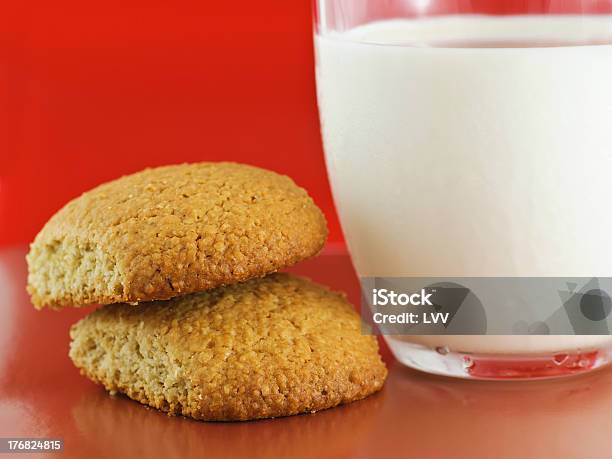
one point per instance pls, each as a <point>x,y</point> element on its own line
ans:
<point>170,231</point>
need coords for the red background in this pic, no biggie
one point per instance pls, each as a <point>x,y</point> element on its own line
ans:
<point>93,90</point>
<point>96,90</point>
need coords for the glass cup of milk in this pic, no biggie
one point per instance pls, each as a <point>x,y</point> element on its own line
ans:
<point>471,143</point>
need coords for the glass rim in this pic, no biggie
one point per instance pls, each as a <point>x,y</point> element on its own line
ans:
<point>474,41</point>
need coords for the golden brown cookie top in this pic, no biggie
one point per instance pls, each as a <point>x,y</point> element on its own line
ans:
<point>268,347</point>
<point>172,230</point>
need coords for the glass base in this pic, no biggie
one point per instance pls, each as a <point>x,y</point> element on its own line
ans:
<point>498,366</point>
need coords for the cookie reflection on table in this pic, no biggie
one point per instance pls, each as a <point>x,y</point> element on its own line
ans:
<point>119,427</point>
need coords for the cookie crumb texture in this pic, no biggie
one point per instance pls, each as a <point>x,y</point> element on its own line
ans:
<point>269,347</point>
<point>172,230</point>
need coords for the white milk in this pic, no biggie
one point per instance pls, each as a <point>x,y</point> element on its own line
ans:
<point>447,160</point>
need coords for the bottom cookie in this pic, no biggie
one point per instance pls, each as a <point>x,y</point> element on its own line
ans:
<point>269,347</point>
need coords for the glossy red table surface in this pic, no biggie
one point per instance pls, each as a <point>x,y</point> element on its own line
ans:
<point>416,415</point>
